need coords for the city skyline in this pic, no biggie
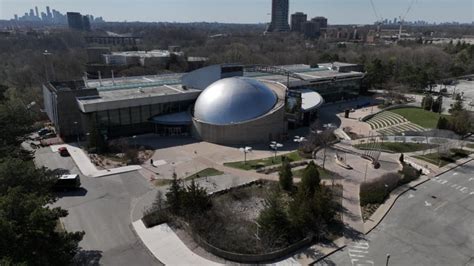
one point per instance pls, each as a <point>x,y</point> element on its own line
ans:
<point>251,11</point>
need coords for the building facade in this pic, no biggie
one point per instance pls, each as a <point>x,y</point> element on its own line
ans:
<point>167,104</point>
<point>280,12</point>
<point>297,21</point>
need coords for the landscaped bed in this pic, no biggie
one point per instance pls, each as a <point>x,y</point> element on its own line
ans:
<point>256,164</point>
<point>254,219</point>
<point>374,193</point>
<point>397,147</point>
<point>419,116</point>
<point>203,173</point>
<point>444,159</point>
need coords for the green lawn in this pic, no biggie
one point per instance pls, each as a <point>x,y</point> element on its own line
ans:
<point>398,147</point>
<point>470,146</point>
<point>419,116</point>
<point>436,159</point>
<point>255,164</point>
<point>323,173</point>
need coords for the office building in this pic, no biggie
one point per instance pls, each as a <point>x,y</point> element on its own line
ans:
<point>280,10</point>
<point>226,104</point>
<point>297,21</point>
<point>74,20</point>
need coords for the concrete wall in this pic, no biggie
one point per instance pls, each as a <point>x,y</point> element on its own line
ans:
<point>271,126</point>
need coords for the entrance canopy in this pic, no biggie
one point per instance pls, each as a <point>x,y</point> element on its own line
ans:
<point>174,119</point>
<point>310,100</point>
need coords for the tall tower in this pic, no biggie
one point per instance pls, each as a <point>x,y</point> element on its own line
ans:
<point>37,12</point>
<point>280,10</point>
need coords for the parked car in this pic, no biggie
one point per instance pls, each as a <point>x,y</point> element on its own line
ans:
<point>63,152</point>
<point>68,182</point>
<point>44,131</point>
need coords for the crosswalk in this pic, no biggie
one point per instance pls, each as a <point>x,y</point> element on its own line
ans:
<point>452,185</point>
<point>359,254</point>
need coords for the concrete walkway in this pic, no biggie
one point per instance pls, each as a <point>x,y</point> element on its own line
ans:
<point>85,165</point>
<point>165,245</point>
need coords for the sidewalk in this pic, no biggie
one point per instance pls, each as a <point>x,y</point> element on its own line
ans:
<point>166,246</point>
<point>87,168</point>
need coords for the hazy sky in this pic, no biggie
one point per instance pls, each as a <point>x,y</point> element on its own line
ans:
<point>252,11</point>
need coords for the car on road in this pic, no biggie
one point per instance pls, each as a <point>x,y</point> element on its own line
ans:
<point>44,131</point>
<point>63,152</point>
<point>68,182</point>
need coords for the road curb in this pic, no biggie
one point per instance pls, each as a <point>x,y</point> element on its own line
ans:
<point>407,189</point>
<point>140,241</point>
<point>329,254</point>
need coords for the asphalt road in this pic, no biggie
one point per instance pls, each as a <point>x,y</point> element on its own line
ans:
<point>102,209</point>
<point>430,225</point>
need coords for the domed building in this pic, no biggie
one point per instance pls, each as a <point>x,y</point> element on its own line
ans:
<point>240,110</point>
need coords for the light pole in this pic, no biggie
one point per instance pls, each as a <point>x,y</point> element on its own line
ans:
<point>134,137</point>
<point>388,258</point>
<point>365,175</point>
<point>275,146</point>
<point>77,131</point>
<point>245,150</point>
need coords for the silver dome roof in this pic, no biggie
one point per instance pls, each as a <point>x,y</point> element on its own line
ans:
<point>234,100</point>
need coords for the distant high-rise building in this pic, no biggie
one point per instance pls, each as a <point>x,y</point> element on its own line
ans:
<point>48,13</point>
<point>32,13</point>
<point>280,10</point>
<point>86,24</point>
<point>311,29</point>
<point>322,21</point>
<point>37,12</point>
<point>75,21</point>
<point>16,17</point>
<point>297,21</point>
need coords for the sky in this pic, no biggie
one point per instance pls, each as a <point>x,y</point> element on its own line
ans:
<point>249,11</point>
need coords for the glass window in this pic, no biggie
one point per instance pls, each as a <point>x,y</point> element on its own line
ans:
<point>156,109</point>
<point>125,116</point>
<point>114,117</point>
<point>146,113</point>
<point>103,118</point>
<point>135,115</point>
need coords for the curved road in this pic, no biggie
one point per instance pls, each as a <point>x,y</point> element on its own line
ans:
<point>102,209</point>
<point>430,225</point>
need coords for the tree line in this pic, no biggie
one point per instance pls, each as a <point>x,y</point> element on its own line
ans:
<point>29,232</point>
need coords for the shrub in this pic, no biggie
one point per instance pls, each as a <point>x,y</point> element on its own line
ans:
<point>286,176</point>
<point>376,191</point>
<point>408,174</point>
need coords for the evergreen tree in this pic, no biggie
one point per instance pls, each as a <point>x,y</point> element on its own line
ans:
<point>286,176</point>
<point>443,123</point>
<point>174,196</point>
<point>195,199</point>
<point>310,180</point>
<point>273,220</point>
<point>427,102</point>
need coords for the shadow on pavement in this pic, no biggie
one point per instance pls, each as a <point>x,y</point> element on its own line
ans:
<point>72,193</point>
<point>88,257</point>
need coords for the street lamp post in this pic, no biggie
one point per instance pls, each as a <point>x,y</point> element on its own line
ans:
<point>275,146</point>
<point>77,131</point>
<point>388,258</point>
<point>245,150</point>
<point>134,137</point>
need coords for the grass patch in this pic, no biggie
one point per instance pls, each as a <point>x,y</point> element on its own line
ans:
<point>256,164</point>
<point>419,116</point>
<point>443,159</point>
<point>161,182</point>
<point>205,173</point>
<point>398,147</point>
<point>470,146</point>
